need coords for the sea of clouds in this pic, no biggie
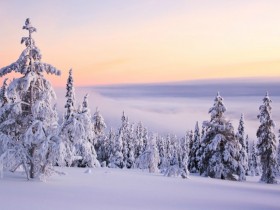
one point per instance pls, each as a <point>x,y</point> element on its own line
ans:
<point>175,107</point>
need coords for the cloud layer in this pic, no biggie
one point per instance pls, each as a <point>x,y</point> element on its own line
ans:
<point>175,108</point>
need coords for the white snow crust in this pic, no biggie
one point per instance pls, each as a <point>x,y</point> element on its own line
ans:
<point>123,189</point>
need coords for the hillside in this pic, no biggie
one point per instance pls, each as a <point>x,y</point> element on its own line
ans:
<point>113,189</point>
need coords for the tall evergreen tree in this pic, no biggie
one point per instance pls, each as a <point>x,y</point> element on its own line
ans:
<point>28,126</point>
<point>178,161</point>
<point>161,144</point>
<point>85,147</point>
<point>219,146</point>
<point>71,129</point>
<point>130,139</point>
<point>241,132</point>
<point>99,123</point>
<point>184,157</point>
<point>118,157</point>
<point>254,162</point>
<point>150,159</point>
<point>139,135</point>
<point>99,127</point>
<point>124,130</point>
<point>267,142</point>
<point>240,135</point>
<point>193,160</point>
<point>70,96</point>
<point>78,137</point>
<point>109,146</point>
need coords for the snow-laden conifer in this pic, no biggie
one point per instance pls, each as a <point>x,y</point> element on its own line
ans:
<point>28,129</point>
<point>254,161</point>
<point>124,129</point>
<point>85,147</point>
<point>70,97</point>
<point>99,123</point>
<point>240,135</point>
<point>219,147</point>
<point>111,140</point>
<point>149,159</point>
<point>127,137</point>
<point>131,145</point>
<point>77,133</point>
<point>267,142</point>
<point>30,58</point>
<point>193,159</point>
<point>106,149</point>
<point>139,139</point>
<point>178,163</point>
<point>99,126</point>
<point>71,128</point>
<point>161,144</point>
<point>183,151</point>
<point>119,154</point>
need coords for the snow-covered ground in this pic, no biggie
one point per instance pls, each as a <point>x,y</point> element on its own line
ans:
<point>117,189</point>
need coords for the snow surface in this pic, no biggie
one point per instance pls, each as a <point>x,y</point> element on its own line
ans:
<point>123,189</point>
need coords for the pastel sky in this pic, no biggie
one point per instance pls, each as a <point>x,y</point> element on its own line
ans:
<point>143,41</point>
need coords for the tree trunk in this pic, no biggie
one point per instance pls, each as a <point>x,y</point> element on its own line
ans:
<point>32,164</point>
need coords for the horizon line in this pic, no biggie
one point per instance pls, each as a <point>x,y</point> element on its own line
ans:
<point>237,80</point>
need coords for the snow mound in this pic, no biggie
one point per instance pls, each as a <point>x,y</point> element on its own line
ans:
<point>88,171</point>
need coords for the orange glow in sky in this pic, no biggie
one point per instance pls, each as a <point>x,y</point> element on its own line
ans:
<point>111,42</point>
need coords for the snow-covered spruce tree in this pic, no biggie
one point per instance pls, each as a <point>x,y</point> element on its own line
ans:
<point>168,151</point>
<point>254,162</point>
<point>149,159</point>
<point>70,129</point>
<point>240,135</point>
<point>119,154</point>
<point>99,130</point>
<point>99,123</point>
<point>219,146</point>
<point>70,97</point>
<point>267,143</point>
<point>116,157</point>
<point>183,151</point>
<point>102,152</point>
<point>173,169</point>
<point>139,139</point>
<point>85,148</point>
<point>193,160</point>
<point>28,127</point>
<point>162,153</point>
<point>126,133</point>
<point>107,148</point>
<point>178,165</point>
<point>77,132</point>
<point>168,145</point>
<point>131,144</point>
